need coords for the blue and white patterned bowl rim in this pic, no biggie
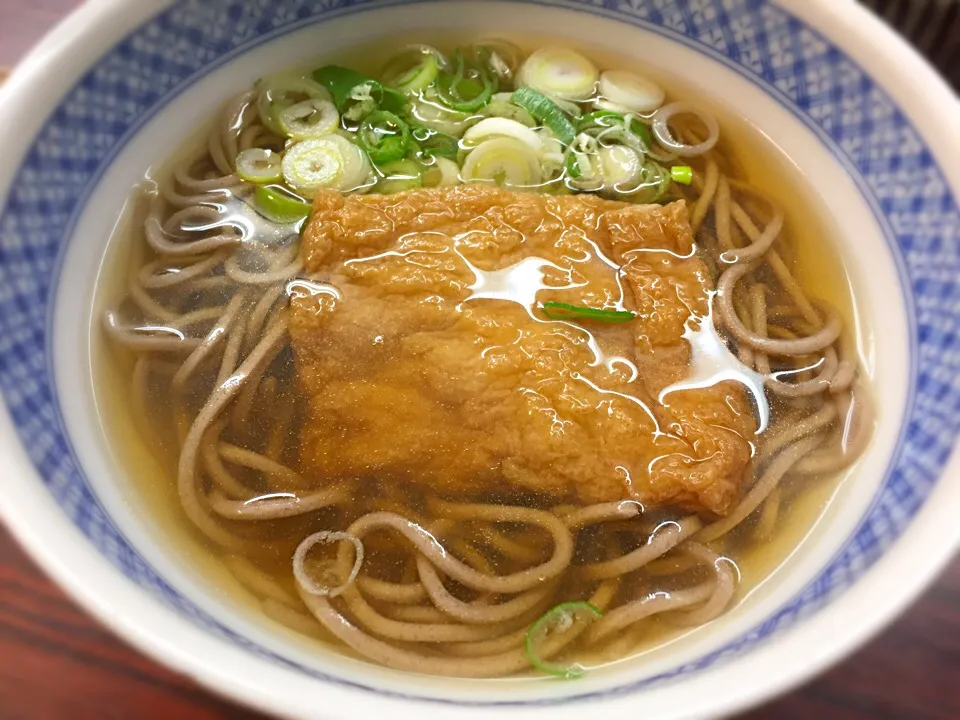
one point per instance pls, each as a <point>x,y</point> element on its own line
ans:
<point>812,78</point>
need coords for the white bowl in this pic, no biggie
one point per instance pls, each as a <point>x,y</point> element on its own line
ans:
<point>859,114</point>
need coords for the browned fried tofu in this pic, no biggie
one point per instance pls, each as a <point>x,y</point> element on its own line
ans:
<point>436,364</point>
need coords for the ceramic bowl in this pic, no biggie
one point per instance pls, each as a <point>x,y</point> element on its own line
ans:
<point>868,125</point>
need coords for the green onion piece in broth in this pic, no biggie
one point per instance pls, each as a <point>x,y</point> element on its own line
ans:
<point>330,162</point>
<point>384,136</point>
<point>309,119</point>
<point>510,111</point>
<point>563,311</point>
<point>279,93</point>
<point>413,70</point>
<point>599,118</point>
<point>546,111</point>
<point>279,205</point>
<point>259,165</point>
<point>348,87</point>
<point>435,143</point>
<point>682,174</point>
<point>468,89</point>
<point>399,176</point>
<point>640,130</point>
<point>607,119</point>
<point>554,623</point>
<point>654,183</point>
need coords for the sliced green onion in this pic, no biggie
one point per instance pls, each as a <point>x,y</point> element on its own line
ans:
<point>508,110</point>
<point>560,73</point>
<point>279,93</point>
<point>546,111</point>
<point>586,153</point>
<point>563,311</point>
<point>279,206</point>
<point>502,127</point>
<point>466,95</point>
<point>309,119</point>
<point>640,130</point>
<point>414,69</point>
<point>654,183</point>
<point>568,106</point>
<point>430,113</point>
<point>626,128</point>
<point>573,168</point>
<point>622,168</point>
<point>599,118</point>
<point>467,89</point>
<point>259,165</point>
<point>355,94</point>
<point>551,158</point>
<point>399,176</point>
<point>384,136</point>
<point>682,174</point>
<point>420,78</point>
<point>433,142</point>
<point>504,161</point>
<point>556,622</point>
<point>444,173</point>
<point>502,56</point>
<point>632,91</point>
<point>330,162</point>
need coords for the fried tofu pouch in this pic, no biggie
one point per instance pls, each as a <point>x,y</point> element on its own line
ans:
<point>433,363</point>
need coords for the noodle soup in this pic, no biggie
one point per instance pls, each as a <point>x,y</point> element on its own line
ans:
<point>490,361</point>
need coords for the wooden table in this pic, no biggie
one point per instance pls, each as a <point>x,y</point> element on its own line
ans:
<point>55,662</point>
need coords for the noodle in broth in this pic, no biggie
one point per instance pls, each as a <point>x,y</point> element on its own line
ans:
<point>412,577</point>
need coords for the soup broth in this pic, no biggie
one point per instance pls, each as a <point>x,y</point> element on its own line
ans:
<point>478,359</point>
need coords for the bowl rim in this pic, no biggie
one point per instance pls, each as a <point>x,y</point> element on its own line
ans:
<point>59,547</point>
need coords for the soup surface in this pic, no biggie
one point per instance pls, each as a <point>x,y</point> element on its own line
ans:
<point>481,360</point>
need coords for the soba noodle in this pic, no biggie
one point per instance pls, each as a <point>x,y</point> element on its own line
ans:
<point>206,322</point>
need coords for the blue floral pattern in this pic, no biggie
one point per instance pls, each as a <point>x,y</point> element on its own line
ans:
<point>764,43</point>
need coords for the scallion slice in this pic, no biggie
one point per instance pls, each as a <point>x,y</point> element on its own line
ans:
<point>354,91</point>
<point>444,173</point>
<point>259,165</point>
<point>653,185</point>
<point>309,119</point>
<point>505,161</point>
<point>328,162</point>
<point>414,69</point>
<point>546,111</point>
<point>563,311</point>
<point>502,127</point>
<point>399,176</point>
<point>279,93</point>
<point>599,118</point>
<point>384,136</point>
<point>640,130</point>
<point>634,92</point>
<point>556,622</point>
<point>278,205</point>
<point>560,73</point>
<point>435,143</point>
<point>467,89</point>
<point>613,124</point>
<point>682,174</point>
<point>508,110</point>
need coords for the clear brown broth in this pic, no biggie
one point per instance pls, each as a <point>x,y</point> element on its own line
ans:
<point>150,466</point>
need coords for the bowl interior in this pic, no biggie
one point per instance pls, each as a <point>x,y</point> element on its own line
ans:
<point>867,167</point>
